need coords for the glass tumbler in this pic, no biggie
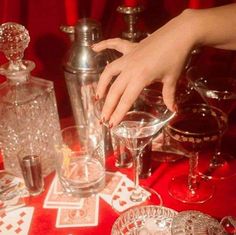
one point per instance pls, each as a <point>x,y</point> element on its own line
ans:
<point>81,161</point>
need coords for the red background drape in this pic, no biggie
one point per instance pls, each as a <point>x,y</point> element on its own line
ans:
<point>48,44</point>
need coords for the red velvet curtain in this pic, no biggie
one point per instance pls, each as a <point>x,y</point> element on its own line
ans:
<point>48,44</point>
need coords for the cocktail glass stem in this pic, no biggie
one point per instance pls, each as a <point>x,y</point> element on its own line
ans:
<point>193,173</point>
<point>137,192</point>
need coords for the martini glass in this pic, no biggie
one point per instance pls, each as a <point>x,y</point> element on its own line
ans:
<point>219,90</point>
<point>136,130</point>
<point>195,129</point>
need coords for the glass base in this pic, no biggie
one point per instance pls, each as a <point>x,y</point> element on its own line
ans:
<point>126,198</point>
<point>222,168</point>
<point>179,189</point>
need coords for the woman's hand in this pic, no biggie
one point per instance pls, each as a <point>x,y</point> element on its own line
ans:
<point>161,57</point>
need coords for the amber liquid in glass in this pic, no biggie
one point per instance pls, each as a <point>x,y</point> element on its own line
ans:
<point>195,131</point>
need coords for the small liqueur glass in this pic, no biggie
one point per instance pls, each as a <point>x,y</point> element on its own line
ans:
<point>30,162</point>
<point>194,129</point>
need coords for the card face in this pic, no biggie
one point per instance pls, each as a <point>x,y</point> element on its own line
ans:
<point>113,181</point>
<point>16,222</point>
<point>12,189</point>
<point>121,197</point>
<point>56,198</point>
<point>85,216</point>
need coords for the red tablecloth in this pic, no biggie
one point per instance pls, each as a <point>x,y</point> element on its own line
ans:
<point>223,202</point>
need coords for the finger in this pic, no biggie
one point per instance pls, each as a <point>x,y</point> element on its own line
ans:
<point>123,46</point>
<point>113,96</point>
<point>168,92</point>
<point>126,101</point>
<point>111,70</point>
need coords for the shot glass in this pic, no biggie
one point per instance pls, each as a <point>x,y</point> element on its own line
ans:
<point>81,161</point>
<point>30,164</point>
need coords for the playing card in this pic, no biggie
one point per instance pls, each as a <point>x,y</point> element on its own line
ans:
<point>121,197</point>
<point>11,204</point>
<point>12,189</point>
<point>87,215</point>
<point>56,198</point>
<point>113,181</point>
<point>16,222</point>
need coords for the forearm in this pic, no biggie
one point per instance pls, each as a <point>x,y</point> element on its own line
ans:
<point>214,27</point>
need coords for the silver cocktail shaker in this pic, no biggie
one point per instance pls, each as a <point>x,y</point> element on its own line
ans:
<point>82,68</point>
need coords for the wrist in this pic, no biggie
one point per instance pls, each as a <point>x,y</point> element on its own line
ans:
<point>194,28</point>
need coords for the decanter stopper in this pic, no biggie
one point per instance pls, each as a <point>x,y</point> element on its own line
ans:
<point>14,39</point>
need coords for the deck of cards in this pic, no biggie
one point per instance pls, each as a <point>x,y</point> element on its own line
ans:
<point>84,212</point>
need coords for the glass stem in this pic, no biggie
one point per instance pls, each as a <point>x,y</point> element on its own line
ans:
<point>136,194</point>
<point>192,177</point>
<point>217,160</point>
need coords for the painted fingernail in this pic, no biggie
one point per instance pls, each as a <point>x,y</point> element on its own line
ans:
<point>103,119</point>
<point>110,125</point>
<point>96,97</point>
<point>175,107</point>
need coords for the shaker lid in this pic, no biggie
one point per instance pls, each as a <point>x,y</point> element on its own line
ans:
<point>88,30</point>
<point>81,58</point>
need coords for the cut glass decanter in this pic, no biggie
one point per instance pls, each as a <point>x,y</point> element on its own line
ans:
<point>28,110</point>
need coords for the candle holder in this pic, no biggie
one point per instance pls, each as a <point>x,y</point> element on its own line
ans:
<point>131,18</point>
<point>70,30</point>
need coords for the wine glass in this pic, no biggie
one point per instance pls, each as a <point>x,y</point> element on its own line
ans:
<point>151,98</point>
<point>135,131</point>
<point>195,129</point>
<point>219,90</point>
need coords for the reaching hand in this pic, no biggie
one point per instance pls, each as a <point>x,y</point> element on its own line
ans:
<point>160,57</point>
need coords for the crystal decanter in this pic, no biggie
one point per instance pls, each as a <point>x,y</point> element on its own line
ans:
<point>28,110</point>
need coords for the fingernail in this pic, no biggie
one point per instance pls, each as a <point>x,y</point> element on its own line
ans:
<point>96,97</point>
<point>103,119</point>
<point>175,107</point>
<point>110,125</point>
